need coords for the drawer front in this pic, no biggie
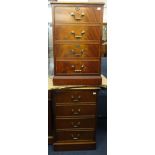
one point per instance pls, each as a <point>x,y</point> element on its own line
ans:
<point>77,33</point>
<point>75,135</point>
<point>77,51</point>
<point>78,14</point>
<point>78,67</point>
<point>76,123</point>
<point>75,110</point>
<point>75,96</point>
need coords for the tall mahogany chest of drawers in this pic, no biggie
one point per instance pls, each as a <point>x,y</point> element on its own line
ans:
<point>77,38</point>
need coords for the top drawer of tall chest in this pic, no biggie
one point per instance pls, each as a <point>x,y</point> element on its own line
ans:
<point>79,14</point>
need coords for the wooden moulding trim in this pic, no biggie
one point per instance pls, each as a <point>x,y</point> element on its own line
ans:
<point>79,24</point>
<point>82,43</point>
<point>74,146</point>
<point>75,41</point>
<point>89,3</point>
<point>77,80</point>
<point>77,77</point>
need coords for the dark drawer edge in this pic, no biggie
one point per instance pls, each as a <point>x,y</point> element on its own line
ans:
<point>50,140</point>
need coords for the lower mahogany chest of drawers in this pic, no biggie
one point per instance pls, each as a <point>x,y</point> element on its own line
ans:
<point>75,119</point>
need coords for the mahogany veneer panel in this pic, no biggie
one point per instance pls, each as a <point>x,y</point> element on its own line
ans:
<point>76,123</point>
<point>76,96</point>
<point>75,51</point>
<point>75,110</point>
<point>75,135</point>
<point>86,14</point>
<point>78,67</point>
<point>76,33</point>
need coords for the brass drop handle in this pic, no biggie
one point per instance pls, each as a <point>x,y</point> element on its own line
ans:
<point>78,16</point>
<point>78,36</point>
<point>78,70</point>
<point>75,137</point>
<point>73,66</point>
<point>77,54</point>
<point>76,125</point>
<point>74,99</point>
<point>76,112</point>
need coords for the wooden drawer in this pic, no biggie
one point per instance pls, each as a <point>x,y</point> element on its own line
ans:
<point>75,96</point>
<point>76,33</point>
<point>74,14</point>
<point>75,135</point>
<point>77,51</point>
<point>68,123</point>
<point>83,67</point>
<point>75,110</point>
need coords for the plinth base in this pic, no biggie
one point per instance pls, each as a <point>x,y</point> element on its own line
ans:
<point>77,80</point>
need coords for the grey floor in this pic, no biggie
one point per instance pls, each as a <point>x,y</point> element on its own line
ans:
<point>101,136</point>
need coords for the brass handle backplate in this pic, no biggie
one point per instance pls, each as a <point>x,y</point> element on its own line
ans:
<point>76,112</point>
<point>75,137</point>
<point>75,99</point>
<point>77,16</point>
<point>77,54</point>
<point>76,125</point>
<point>78,36</point>
<point>78,70</point>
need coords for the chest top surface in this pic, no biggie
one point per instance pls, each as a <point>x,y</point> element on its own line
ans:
<point>73,3</point>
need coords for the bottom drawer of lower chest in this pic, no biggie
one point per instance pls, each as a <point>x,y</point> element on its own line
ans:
<point>75,135</point>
